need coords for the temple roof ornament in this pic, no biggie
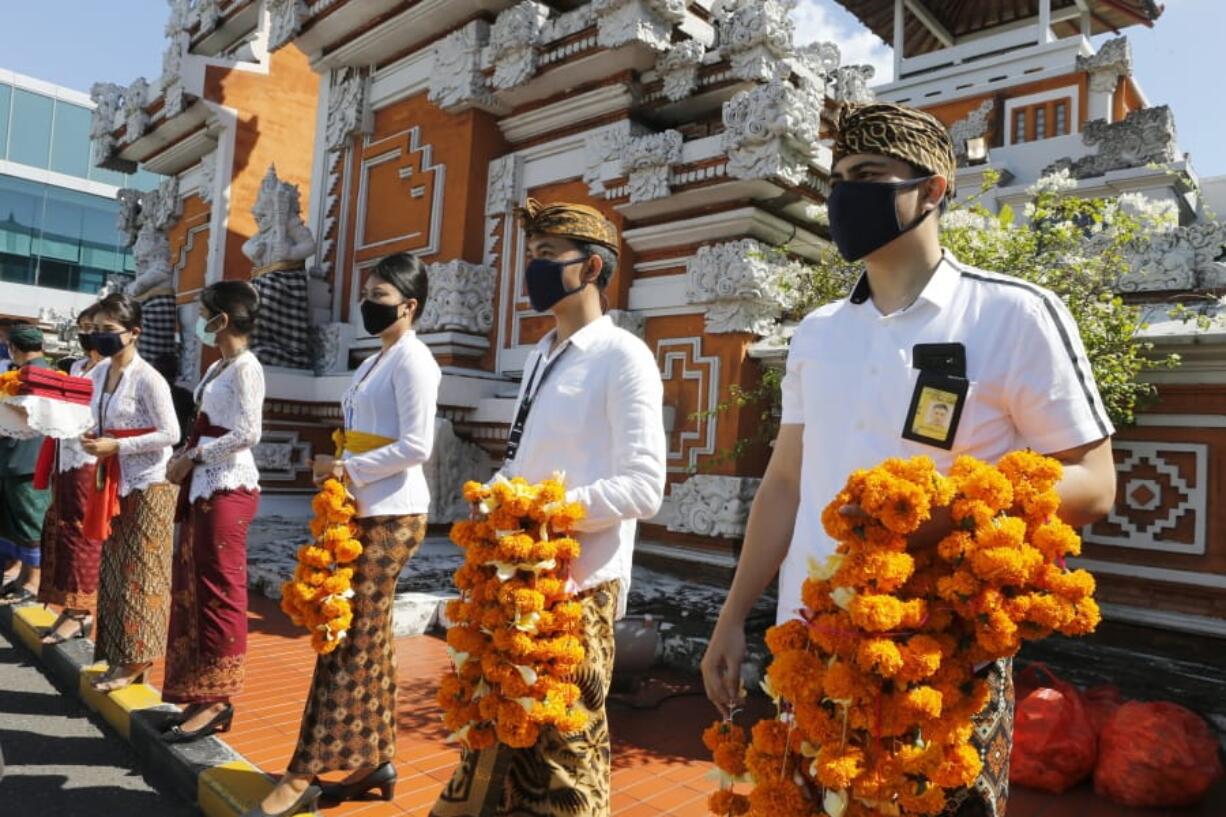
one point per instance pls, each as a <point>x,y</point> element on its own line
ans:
<point>756,38</point>
<point>647,21</point>
<point>514,44</point>
<point>1182,258</point>
<point>1113,60</point>
<point>740,282</point>
<point>285,19</point>
<point>348,112</point>
<point>135,118</point>
<point>282,240</point>
<point>772,131</point>
<point>649,163</point>
<point>1143,137</point>
<point>457,81</point>
<point>678,68</point>
<point>850,84</point>
<point>972,126</point>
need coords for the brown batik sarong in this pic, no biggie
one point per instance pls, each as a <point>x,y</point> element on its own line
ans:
<point>134,582</point>
<point>562,775</point>
<point>350,717</point>
<point>993,738</point>
<point>70,558</point>
<point>207,653</point>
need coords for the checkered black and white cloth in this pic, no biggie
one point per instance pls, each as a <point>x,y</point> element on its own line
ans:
<point>159,325</point>
<point>282,330</point>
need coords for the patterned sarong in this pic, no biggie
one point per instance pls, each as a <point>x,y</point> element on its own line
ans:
<point>207,650</point>
<point>70,558</point>
<point>993,737</point>
<point>159,327</point>
<point>282,334</point>
<point>562,775</point>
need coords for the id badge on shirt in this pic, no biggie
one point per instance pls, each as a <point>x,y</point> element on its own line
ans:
<point>939,396</point>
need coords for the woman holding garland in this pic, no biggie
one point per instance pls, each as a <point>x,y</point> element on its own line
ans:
<point>132,506</point>
<point>380,457</point>
<point>70,557</point>
<point>219,494</point>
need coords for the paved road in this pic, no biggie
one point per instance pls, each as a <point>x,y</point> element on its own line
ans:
<point>60,762</point>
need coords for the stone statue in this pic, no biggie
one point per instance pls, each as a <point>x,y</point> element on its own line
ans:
<point>153,289</point>
<point>278,253</point>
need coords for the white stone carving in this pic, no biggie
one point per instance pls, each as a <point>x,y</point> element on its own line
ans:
<point>740,284</point>
<point>607,145</point>
<point>208,177</point>
<point>453,462</point>
<point>128,222</point>
<point>1142,138</point>
<point>135,119</point>
<point>1113,60</point>
<point>971,126</point>
<point>771,131</point>
<point>678,69</point>
<point>567,24</point>
<point>281,456</point>
<point>1179,259</point>
<point>180,17</point>
<point>515,41</point>
<point>285,19</point>
<point>461,298</point>
<point>850,84</point>
<point>107,97</point>
<point>711,505</point>
<point>151,255</point>
<point>647,21</point>
<point>632,322</point>
<point>190,347</point>
<point>163,206</point>
<point>208,14</point>
<point>649,163</point>
<point>281,236</point>
<point>348,112</point>
<point>756,38</point>
<point>456,81</point>
<point>330,344</point>
<point>502,191</point>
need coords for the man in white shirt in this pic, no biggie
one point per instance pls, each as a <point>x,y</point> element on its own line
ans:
<point>926,357</point>
<point>590,406</point>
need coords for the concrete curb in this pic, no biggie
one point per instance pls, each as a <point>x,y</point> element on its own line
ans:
<point>207,772</point>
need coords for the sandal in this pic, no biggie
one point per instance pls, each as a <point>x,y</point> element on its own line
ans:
<point>17,594</point>
<point>113,681</point>
<point>85,625</point>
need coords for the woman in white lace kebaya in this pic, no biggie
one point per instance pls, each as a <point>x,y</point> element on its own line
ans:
<point>70,558</point>
<point>132,506</point>
<point>220,493</point>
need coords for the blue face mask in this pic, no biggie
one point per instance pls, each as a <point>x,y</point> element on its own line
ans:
<point>544,279</point>
<point>206,337</point>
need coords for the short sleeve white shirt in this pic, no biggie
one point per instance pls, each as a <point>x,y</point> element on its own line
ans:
<point>849,382</point>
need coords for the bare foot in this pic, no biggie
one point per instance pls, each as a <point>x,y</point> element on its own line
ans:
<point>120,677</point>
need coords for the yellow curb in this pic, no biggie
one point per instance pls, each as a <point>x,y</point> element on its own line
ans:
<point>231,789</point>
<point>29,624</point>
<point>116,707</point>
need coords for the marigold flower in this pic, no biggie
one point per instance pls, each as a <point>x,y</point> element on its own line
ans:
<point>796,675</point>
<point>836,769</point>
<point>880,656</point>
<point>726,803</point>
<point>876,613</point>
<point>791,635</point>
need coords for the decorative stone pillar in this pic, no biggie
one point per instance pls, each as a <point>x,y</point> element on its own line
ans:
<point>514,44</point>
<point>649,163</point>
<point>647,21</point>
<point>740,284</point>
<point>771,131</point>
<point>710,505</point>
<point>460,310</point>
<point>457,83</point>
<point>1112,62</point>
<point>348,114</point>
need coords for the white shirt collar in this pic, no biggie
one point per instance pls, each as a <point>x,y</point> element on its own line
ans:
<point>938,291</point>
<point>581,339</point>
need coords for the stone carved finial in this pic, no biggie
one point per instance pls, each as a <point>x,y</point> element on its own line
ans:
<point>282,239</point>
<point>107,97</point>
<point>285,19</point>
<point>502,191</point>
<point>1143,137</point>
<point>1182,258</point>
<point>1113,60</point>
<point>135,119</point>
<point>208,14</point>
<point>678,69</point>
<point>850,84</point>
<point>457,81</point>
<point>515,44</point>
<point>163,206</point>
<point>740,283</point>
<point>971,126</point>
<point>461,298</point>
<point>128,222</point>
<point>649,163</point>
<point>756,38</point>
<point>606,145</point>
<point>771,131</point>
<point>348,112</point>
<point>815,66</point>
<point>180,17</point>
<point>647,21</point>
<point>711,505</point>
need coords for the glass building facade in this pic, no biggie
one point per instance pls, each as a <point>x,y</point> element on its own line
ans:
<point>56,235</point>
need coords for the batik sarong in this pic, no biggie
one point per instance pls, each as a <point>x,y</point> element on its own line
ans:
<point>993,739</point>
<point>70,558</point>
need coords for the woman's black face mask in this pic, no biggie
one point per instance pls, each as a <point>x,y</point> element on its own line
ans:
<point>864,216</point>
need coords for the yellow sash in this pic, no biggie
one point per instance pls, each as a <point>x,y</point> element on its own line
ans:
<point>357,442</point>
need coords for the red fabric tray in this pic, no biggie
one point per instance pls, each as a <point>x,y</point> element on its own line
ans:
<point>48,383</point>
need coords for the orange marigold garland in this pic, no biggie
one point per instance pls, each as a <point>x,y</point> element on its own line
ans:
<point>875,684</point>
<point>514,640</point>
<point>318,595</point>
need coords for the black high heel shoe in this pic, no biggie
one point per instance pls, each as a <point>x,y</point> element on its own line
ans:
<point>382,778</point>
<point>307,801</point>
<point>218,723</point>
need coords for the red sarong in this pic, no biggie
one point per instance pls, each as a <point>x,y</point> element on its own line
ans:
<point>203,427</point>
<point>104,501</point>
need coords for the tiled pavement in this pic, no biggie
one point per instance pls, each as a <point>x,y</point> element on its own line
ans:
<point>660,765</point>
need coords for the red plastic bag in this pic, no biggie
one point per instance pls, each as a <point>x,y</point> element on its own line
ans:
<point>1100,703</point>
<point>1156,754</point>
<point>1054,745</point>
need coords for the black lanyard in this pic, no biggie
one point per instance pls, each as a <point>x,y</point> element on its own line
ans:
<point>106,398</point>
<point>525,405</point>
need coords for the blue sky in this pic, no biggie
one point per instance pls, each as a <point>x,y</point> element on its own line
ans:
<point>1180,62</point>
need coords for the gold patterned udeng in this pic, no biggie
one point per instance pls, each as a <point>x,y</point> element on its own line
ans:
<point>577,222</point>
<point>899,132</point>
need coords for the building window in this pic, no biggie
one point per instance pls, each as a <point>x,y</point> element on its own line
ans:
<point>1043,120</point>
<point>30,128</point>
